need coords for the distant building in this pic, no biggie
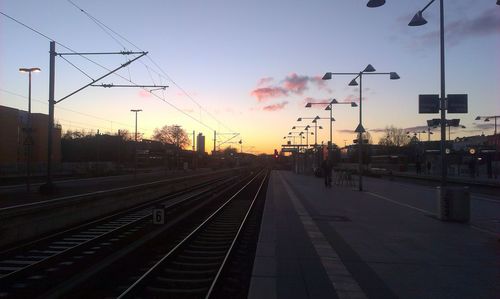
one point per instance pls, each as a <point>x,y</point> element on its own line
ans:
<point>200,140</point>
<point>13,148</point>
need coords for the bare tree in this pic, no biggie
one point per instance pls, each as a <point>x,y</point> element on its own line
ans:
<point>368,136</point>
<point>172,135</point>
<point>394,137</point>
<point>124,134</point>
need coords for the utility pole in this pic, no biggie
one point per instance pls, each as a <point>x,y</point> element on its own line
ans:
<point>135,139</point>
<point>49,186</point>
<point>215,140</point>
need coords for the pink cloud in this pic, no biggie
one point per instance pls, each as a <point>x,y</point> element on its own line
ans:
<point>352,98</point>
<point>292,84</point>
<point>295,83</point>
<point>275,107</point>
<point>265,81</point>
<point>317,101</point>
<point>144,94</point>
<point>265,93</point>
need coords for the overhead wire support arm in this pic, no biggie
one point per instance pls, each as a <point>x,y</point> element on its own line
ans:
<point>102,77</point>
<point>156,87</point>
<point>103,53</point>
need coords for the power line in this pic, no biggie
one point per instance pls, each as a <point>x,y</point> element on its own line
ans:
<point>105,68</point>
<point>102,26</point>
<point>73,111</point>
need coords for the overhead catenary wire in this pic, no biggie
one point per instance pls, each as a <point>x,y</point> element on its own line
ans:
<point>102,26</point>
<point>105,68</point>
<point>74,111</point>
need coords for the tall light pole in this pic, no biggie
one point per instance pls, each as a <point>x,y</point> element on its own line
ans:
<point>487,119</point>
<point>369,70</point>
<point>329,107</point>
<point>30,127</point>
<point>135,139</point>
<point>306,128</point>
<point>315,127</point>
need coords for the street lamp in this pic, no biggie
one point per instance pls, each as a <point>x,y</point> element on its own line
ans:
<point>306,128</point>
<point>30,128</point>
<point>135,143</point>
<point>419,20</point>
<point>329,107</point>
<point>487,118</point>
<point>369,70</point>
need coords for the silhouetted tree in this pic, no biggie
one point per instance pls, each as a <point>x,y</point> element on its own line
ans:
<point>172,135</point>
<point>394,137</point>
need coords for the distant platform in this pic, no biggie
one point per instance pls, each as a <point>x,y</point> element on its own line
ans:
<point>384,242</point>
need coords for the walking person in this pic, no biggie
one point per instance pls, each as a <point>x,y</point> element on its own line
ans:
<point>327,173</point>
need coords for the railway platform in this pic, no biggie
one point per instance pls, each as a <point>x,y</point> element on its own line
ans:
<point>383,242</point>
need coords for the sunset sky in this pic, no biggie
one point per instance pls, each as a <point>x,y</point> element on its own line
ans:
<point>250,66</point>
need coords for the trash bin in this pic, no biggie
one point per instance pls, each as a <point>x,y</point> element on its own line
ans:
<point>453,204</point>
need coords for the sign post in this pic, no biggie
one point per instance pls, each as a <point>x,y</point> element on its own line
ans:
<point>159,214</point>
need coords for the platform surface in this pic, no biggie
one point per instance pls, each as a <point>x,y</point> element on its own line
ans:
<point>384,242</point>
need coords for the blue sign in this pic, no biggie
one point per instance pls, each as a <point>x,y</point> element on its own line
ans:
<point>457,103</point>
<point>428,103</point>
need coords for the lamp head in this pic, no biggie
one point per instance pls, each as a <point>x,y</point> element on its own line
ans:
<point>353,83</point>
<point>332,119</point>
<point>317,117</point>
<point>320,127</point>
<point>294,127</point>
<point>479,117</point>
<point>487,119</point>
<point>377,3</point>
<point>369,69</point>
<point>308,105</point>
<point>418,20</point>
<point>334,101</point>
<point>299,119</point>
<point>30,70</point>
<point>353,104</point>
<point>327,76</point>
<point>394,76</point>
<point>307,127</point>
<point>328,108</point>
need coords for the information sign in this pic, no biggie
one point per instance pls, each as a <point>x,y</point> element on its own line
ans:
<point>428,103</point>
<point>457,103</point>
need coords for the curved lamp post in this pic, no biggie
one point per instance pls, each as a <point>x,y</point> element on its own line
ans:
<point>369,70</point>
<point>329,107</point>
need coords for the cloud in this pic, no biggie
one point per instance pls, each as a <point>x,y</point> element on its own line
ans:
<point>295,83</point>
<point>275,107</point>
<point>352,98</point>
<point>265,81</point>
<point>265,93</point>
<point>487,23</point>
<point>482,127</point>
<point>416,129</point>
<point>316,101</point>
<point>292,84</point>
<point>346,131</point>
<point>144,94</point>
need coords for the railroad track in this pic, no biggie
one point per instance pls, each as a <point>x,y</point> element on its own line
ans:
<point>38,267</point>
<point>195,265</point>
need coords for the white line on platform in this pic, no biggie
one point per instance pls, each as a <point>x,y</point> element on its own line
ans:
<point>486,199</point>
<point>426,212</point>
<point>344,284</point>
<point>398,203</point>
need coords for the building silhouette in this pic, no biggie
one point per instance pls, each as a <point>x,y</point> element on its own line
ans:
<point>200,141</point>
<point>15,139</point>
